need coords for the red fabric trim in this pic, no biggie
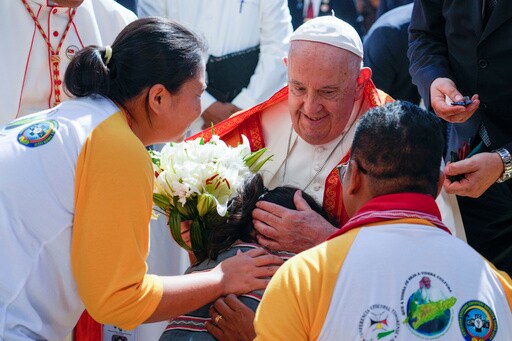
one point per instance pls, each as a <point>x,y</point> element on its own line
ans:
<point>395,206</point>
<point>246,122</point>
<point>50,72</point>
<point>78,35</point>
<point>26,66</point>
<point>87,329</point>
<point>333,201</point>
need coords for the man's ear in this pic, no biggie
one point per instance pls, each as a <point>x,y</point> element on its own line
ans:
<point>440,182</point>
<point>285,60</point>
<point>157,96</point>
<point>364,75</point>
<point>352,183</point>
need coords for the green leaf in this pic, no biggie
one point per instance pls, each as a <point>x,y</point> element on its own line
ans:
<point>161,201</point>
<point>196,236</point>
<point>183,210</point>
<point>260,164</point>
<point>155,157</point>
<point>251,158</point>
<point>175,227</point>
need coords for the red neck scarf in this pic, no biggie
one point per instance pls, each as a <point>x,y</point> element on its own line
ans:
<point>395,206</point>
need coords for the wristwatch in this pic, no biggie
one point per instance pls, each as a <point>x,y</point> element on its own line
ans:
<point>507,164</point>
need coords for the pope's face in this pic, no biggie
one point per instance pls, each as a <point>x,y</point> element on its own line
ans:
<point>322,89</point>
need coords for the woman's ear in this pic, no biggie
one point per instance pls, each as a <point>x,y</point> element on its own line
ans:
<point>157,96</point>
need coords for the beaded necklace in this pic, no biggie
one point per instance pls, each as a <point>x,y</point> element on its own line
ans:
<point>55,59</point>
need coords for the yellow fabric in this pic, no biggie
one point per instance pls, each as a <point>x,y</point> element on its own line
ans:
<point>417,221</point>
<point>113,201</point>
<point>306,282</point>
<point>506,282</point>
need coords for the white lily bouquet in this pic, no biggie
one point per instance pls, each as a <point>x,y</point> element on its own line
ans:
<point>195,181</point>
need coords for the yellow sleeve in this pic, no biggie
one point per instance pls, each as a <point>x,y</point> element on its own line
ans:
<point>506,282</point>
<point>113,201</point>
<point>296,301</point>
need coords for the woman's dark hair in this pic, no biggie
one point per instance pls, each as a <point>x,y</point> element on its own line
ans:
<point>239,226</point>
<point>148,51</point>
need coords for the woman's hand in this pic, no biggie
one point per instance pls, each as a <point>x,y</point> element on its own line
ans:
<point>247,271</point>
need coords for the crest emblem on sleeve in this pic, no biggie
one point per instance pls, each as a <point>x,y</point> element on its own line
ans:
<point>477,321</point>
<point>38,134</point>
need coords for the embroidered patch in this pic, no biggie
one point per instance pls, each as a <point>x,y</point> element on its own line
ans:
<point>71,51</point>
<point>426,305</point>
<point>38,133</point>
<point>379,322</point>
<point>477,321</point>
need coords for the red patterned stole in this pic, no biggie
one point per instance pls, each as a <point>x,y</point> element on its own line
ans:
<point>395,206</point>
<point>248,123</point>
<point>333,201</point>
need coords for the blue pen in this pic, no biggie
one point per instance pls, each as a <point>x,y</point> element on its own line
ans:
<point>241,4</point>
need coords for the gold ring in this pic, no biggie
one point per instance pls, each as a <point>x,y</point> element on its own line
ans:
<point>217,319</point>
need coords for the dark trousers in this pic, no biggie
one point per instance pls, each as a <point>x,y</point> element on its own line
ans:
<point>488,224</point>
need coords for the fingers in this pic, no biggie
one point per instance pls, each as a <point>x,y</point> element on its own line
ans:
<point>214,330</point>
<point>235,304</point>
<point>461,115</point>
<point>442,93</point>
<point>268,243</point>
<point>299,202</point>
<point>254,252</point>
<point>265,230</point>
<point>213,325</point>
<point>262,258</point>
<point>267,209</point>
<point>461,167</point>
<point>220,307</point>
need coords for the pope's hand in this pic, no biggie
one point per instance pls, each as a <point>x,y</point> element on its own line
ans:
<point>442,92</point>
<point>480,172</point>
<point>282,229</point>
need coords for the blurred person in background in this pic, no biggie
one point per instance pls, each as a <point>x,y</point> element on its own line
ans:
<point>304,10</point>
<point>42,37</point>
<point>247,40</point>
<point>385,52</point>
<point>388,5</point>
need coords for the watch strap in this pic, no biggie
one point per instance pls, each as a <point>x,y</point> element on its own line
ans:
<point>507,164</point>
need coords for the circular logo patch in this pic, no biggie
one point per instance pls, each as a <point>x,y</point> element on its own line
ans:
<point>379,322</point>
<point>477,321</point>
<point>71,51</point>
<point>38,133</point>
<point>427,305</point>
